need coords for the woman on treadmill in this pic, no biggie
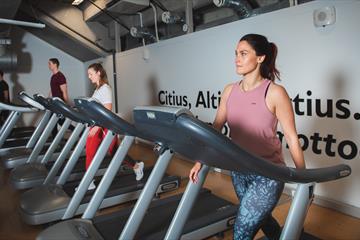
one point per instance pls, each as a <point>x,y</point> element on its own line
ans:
<point>252,107</point>
<point>103,94</point>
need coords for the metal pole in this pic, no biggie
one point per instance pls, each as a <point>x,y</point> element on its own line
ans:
<point>39,129</point>
<point>21,23</point>
<point>42,140</point>
<point>147,194</point>
<point>89,175</point>
<point>73,158</point>
<point>55,144</point>
<point>108,177</point>
<point>8,119</point>
<point>64,152</point>
<point>8,126</point>
<point>189,15</point>
<point>297,212</point>
<point>185,206</point>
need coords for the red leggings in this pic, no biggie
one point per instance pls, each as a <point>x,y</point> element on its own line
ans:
<point>93,142</point>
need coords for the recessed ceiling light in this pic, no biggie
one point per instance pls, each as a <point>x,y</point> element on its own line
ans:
<point>77,2</point>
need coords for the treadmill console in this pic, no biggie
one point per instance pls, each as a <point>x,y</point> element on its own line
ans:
<point>29,100</point>
<point>69,111</point>
<point>47,104</point>
<point>160,114</point>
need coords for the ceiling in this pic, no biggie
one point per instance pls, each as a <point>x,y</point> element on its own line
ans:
<point>97,28</point>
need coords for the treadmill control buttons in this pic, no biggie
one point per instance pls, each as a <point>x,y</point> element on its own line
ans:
<point>231,222</point>
<point>82,231</point>
<point>169,186</point>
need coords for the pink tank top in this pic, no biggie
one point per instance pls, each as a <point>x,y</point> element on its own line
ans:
<point>252,125</point>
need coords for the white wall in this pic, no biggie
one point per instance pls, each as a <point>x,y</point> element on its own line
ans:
<point>324,61</point>
<point>33,75</point>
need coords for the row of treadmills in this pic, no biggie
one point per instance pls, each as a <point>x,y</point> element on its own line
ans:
<point>51,169</point>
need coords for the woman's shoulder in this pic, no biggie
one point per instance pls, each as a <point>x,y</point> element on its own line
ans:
<point>276,90</point>
<point>105,87</point>
<point>227,90</point>
<point>228,87</point>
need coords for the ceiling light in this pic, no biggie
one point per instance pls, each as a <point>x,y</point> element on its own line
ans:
<point>77,2</point>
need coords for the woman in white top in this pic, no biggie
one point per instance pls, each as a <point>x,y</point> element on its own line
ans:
<point>103,94</point>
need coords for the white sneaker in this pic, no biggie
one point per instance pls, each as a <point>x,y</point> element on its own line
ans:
<point>139,171</point>
<point>91,186</point>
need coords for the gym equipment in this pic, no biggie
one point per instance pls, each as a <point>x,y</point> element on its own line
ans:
<point>196,140</point>
<point>34,173</point>
<point>177,130</point>
<point>210,216</point>
<point>51,202</point>
<point>11,137</point>
<point>11,159</point>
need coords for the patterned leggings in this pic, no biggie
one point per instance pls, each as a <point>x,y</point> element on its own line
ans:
<point>258,196</point>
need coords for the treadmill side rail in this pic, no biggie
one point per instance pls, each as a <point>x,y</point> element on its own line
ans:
<point>297,212</point>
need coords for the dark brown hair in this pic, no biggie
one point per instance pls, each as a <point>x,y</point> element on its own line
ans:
<point>55,61</point>
<point>263,47</point>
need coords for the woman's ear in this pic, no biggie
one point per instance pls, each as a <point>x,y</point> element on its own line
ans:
<point>260,59</point>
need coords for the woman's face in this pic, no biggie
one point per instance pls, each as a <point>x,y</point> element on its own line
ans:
<point>94,76</point>
<point>246,60</point>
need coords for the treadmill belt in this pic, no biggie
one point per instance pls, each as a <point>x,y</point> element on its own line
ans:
<point>207,209</point>
<point>80,164</point>
<point>14,135</point>
<point>122,183</point>
<point>15,143</point>
<point>25,152</point>
<point>21,131</point>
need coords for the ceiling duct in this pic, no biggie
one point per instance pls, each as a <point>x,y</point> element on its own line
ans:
<point>127,6</point>
<point>242,7</point>
<point>8,59</point>
<point>8,9</point>
<point>141,32</point>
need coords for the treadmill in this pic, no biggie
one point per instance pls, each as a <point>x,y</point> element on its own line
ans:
<point>212,215</point>
<point>11,136</point>
<point>31,174</point>
<point>50,202</point>
<point>19,156</point>
<point>178,130</point>
<point>34,174</point>
<point>26,136</point>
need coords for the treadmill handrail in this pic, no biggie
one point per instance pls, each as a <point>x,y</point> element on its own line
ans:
<point>46,103</point>
<point>29,100</point>
<point>69,111</point>
<point>105,118</point>
<point>259,164</point>
<point>16,108</point>
<point>198,141</point>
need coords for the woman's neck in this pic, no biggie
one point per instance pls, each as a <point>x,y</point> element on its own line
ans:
<point>251,81</point>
